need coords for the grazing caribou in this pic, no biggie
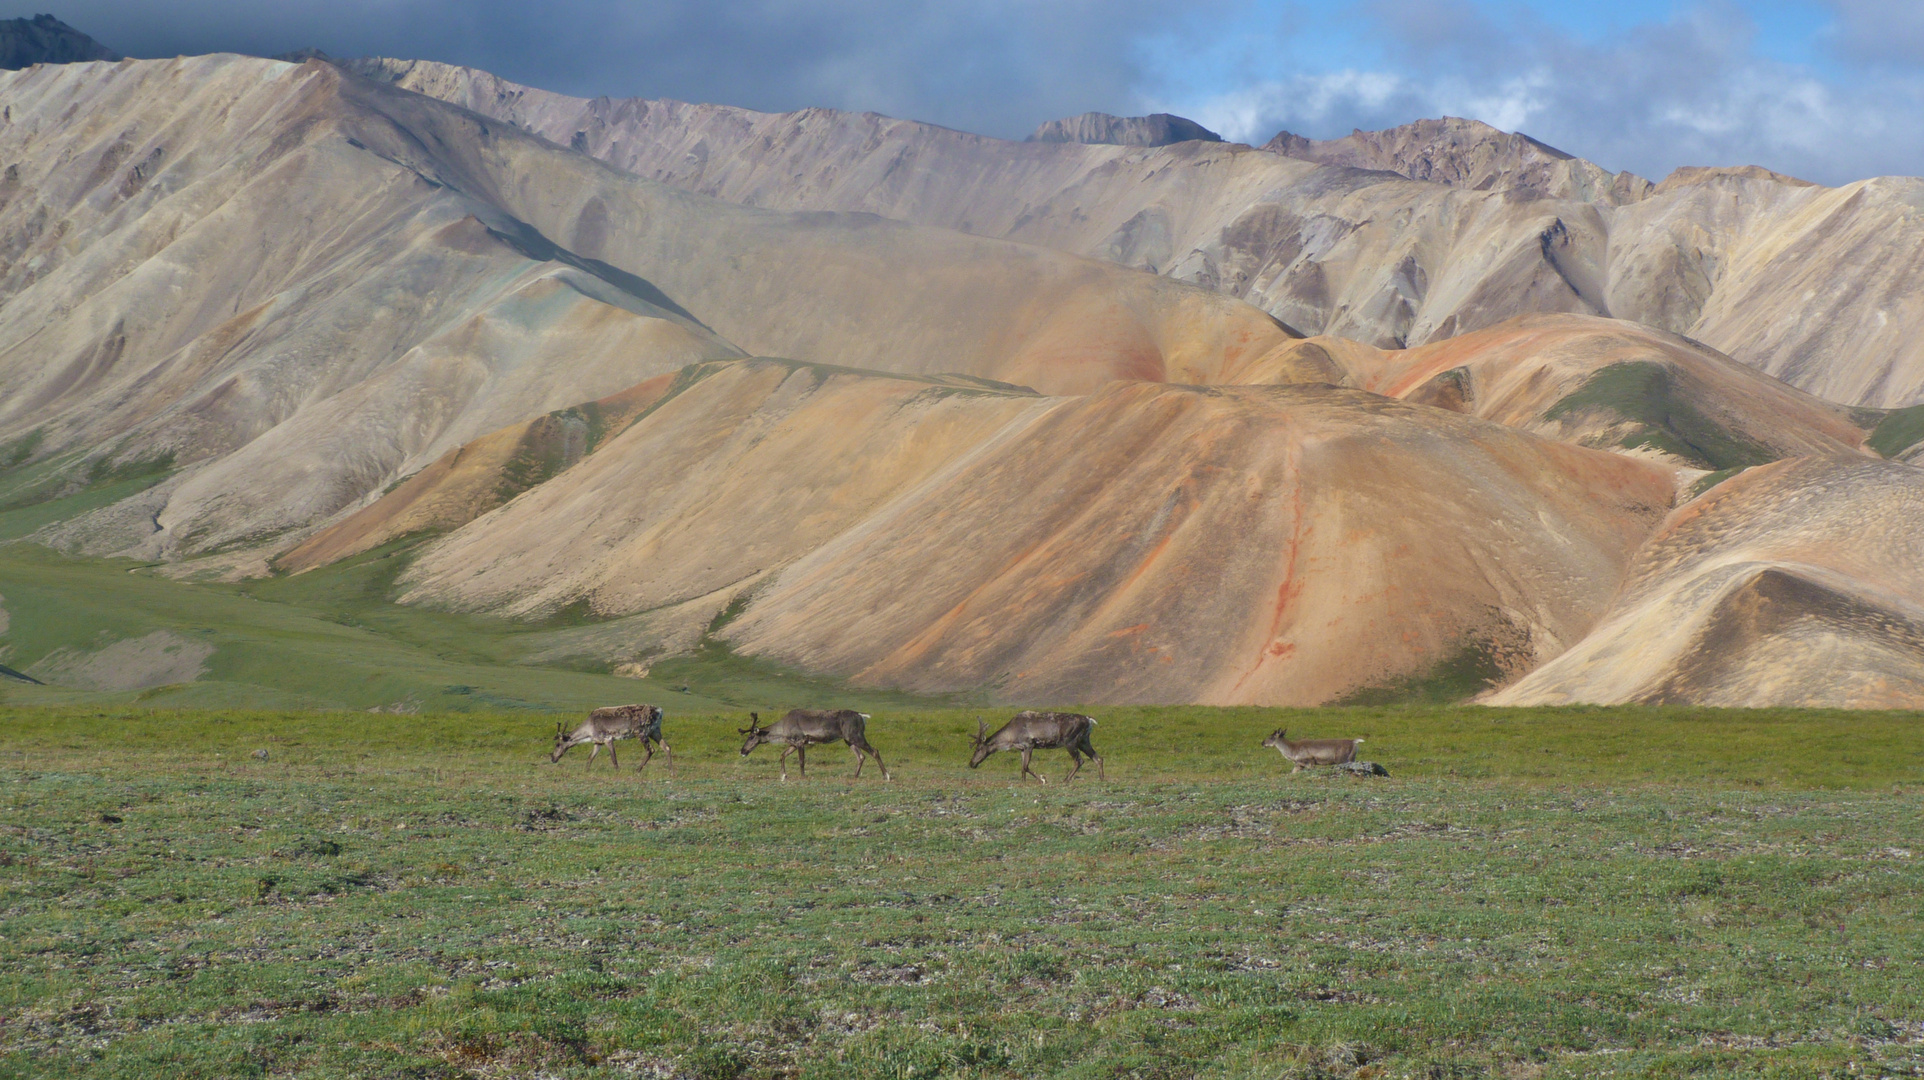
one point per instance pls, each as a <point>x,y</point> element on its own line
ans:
<point>1307,752</point>
<point>606,725</point>
<point>1032,731</point>
<point>803,728</point>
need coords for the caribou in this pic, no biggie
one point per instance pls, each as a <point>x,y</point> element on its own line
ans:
<point>1032,731</point>
<point>606,725</point>
<point>803,728</point>
<point>1307,752</point>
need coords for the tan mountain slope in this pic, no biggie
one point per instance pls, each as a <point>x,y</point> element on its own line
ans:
<point>1792,584</point>
<point>1220,545</point>
<point>1334,251</point>
<point>1611,385</point>
<point>1471,154</point>
<point>303,286</point>
<point>203,269</point>
<point>1814,285</point>
<point>1145,543</point>
<point>835,288</point>
<point>752,466</point>
<point>478,476</point>
<point>1690,175</point>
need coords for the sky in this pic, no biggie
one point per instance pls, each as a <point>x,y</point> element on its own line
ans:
<point>1828,90</point>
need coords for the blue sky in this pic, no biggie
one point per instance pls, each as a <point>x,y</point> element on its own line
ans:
<point>1831,90</point>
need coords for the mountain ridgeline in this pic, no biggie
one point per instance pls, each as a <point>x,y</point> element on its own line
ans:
<point>1120,413</point>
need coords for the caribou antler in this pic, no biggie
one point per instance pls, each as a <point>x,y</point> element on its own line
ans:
<point>981,730</point>
<point>754,719</point>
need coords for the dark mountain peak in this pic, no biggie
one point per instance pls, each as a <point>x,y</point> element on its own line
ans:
<point>44,39</point>
<point>302,56</point>
<point>1156,129</point>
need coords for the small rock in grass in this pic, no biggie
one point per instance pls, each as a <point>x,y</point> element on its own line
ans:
<point>1362,768</point>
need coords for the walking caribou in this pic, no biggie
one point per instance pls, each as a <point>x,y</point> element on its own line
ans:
<point>606,725</point>
<point>1306,752</point>
<point>1032,731</point>
<point>803,728</point>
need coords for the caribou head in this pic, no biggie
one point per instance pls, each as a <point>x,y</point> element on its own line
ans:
<point>561,742</point>
<point>982,746</point>
<point>757,734</point>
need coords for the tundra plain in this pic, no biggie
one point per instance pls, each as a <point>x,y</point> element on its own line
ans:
<point>1534,893</point>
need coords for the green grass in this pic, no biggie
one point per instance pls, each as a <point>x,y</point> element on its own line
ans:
<point>1537,893</point>
<point>1898,431</point>
<point>1643,394</point>
<point>1472,670</point>
<point>55,489</point>
<point>1711,480</point>
<point>333,639</point>
<point>1533,893</point>
<point>20,449</point>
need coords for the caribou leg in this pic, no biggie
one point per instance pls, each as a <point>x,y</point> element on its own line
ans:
<point>1026,751</point>
<point>801,755</point>
<point>859,759</point>
<point>786,750</point>
<point>670,755</point>
<point>863,747</point>
<point>591,756</point>
<point>1089,748</point>
<point>612,756</point>
<point>647,755</point>
<point>1076,757</point>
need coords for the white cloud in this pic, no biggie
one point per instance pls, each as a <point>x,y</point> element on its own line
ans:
<point>1692,91</point>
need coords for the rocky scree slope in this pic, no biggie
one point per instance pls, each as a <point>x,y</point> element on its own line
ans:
<point>1813,285</point>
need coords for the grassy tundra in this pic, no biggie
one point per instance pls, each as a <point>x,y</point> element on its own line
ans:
<point>1570,893</point>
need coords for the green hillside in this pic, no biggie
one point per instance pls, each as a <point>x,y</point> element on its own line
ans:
<point>331,639</point>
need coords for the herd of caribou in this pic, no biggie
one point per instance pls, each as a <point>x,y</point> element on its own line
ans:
<point>802,728</point>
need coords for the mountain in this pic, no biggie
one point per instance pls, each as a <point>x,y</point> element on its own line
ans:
<point>1470,154</point>
<point>1608,384</point>
<point>258,318</point>
<point>444,275</point>
<point>1156,129</point>
<point>1813,285</point>
<point>44,39</point>
<point>1141,543</point>
<point>1791,584</point>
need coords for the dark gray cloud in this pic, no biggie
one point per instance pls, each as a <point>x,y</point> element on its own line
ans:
<point>995,66</point>
<point>1887,31</point>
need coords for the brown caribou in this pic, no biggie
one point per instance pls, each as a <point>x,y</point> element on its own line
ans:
<point>1307,752</point>
<point>1032,731</point>
<point>606,725</point>
<point>803,728</point>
